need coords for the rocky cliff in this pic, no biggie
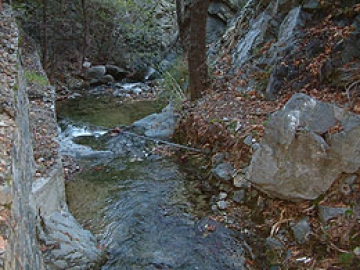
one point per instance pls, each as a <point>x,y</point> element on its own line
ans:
<point>37,231</point>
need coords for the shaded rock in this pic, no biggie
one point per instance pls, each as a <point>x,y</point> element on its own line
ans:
<point>95,82</point>
<point>223,172</point>
<point>5,195</point>
<point>312,4</point>
<point>248,140</point>
<point>326,212</point>
<point>301,230</point>
<point>107,79</point>
<point>116,72</point>
<point>350,179</point>
<point>95,72</point>
<point>241,182</point>
<point>222,195</point>
<point>274,244</point>
<point>75,84</point>
<point>298,158</point>
<point>239,196</point>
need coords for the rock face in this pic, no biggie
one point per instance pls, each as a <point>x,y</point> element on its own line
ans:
<point>307,145</point>
<point>219,15</point>
<point>32,182</point>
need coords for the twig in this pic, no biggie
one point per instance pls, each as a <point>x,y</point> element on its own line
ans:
<point>349,87</point>
<point>163,142</point>
<point>276,226</point>
<point>332,244</point>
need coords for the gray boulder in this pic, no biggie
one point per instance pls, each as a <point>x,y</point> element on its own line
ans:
<point>116,72</point>
<point>298,158</point>
<point>107,79</point>
<point>158,125</point>
<point>67,245</point>
<point>95,72</point>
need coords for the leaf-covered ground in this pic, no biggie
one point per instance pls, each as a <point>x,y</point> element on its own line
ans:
<point>224,117</point>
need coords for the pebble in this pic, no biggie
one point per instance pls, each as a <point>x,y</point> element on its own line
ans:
<point>273,243</point>
<point>239,196</point>
<point>223,195</point>
<point>326,212</point>
<point>301,230</point>
<point>222,205</point>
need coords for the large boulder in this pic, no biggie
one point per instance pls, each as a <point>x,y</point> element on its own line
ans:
<point>95,72</point>
<point>306,147</point>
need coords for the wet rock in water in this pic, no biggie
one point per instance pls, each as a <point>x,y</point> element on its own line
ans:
<point>116,72</point>
<point>158,125</point>
<point>223,172</point>
<point>107,79</point>
<point>301,230</point>
<point>298,157</point>
<point>129,146</point>
<point>69,245</point>
<point>326,212</point>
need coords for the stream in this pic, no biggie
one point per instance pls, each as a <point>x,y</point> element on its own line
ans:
<point>148,211</point>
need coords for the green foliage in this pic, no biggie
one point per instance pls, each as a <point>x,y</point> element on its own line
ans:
<point>130,31</point>
<point>122,32</point>
<point>346,258</point>
<point>175,80</point>
<point>34,77</point>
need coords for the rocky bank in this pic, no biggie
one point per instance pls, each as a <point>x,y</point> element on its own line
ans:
<point>37,231</point>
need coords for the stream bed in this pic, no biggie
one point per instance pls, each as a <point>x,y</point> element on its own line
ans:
<point>146,209</point>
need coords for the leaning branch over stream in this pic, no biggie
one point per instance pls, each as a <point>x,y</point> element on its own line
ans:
<point>163,142</point>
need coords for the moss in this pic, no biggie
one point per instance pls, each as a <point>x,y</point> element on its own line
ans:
<point>34,77</point>
<point>346,258</point>
<point>7,206</point>
<point>8,180</point>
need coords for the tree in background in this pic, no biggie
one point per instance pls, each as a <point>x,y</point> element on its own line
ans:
<point>192,16</point>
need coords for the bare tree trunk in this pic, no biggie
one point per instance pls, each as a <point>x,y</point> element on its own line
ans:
<point>198,70</point>
<point>45,41</point>
<point>183,20</point>
<point>0,5</point>
<point>86,40</point>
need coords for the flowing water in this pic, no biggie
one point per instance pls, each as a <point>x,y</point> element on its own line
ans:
<point>147,210</point>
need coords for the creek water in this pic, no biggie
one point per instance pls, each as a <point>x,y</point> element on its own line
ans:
<point>147,210</point>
